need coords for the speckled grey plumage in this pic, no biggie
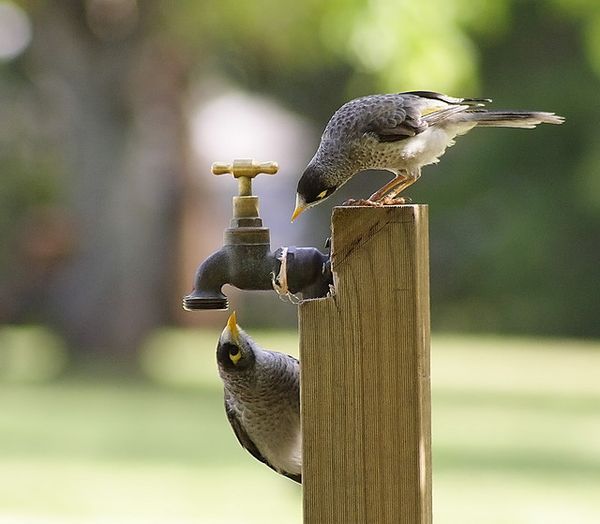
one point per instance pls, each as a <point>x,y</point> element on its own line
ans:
<point>262,402</point>
<point>398,132</point>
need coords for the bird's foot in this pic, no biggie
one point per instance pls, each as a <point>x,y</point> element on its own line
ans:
<point>385,201</point>
<point>361,202</point>
<point>391,201</point>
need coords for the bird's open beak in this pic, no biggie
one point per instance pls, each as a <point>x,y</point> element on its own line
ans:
<point>233,327</point>
<point>300,207</point>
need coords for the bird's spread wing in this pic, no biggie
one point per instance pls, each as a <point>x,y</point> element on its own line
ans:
<point>405,115</point>
<point>247,443</point>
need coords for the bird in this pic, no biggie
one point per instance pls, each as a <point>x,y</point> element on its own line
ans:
<point>262,400</point>
<point>399,133</point>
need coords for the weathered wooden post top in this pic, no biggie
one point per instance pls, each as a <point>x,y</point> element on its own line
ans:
<point>364,353</point>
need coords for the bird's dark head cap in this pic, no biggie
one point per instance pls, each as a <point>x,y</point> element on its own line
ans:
<point>235,348</point>
<point>314,186</point>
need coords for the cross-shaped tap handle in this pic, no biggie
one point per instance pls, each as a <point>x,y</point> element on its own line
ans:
<point>245,170</point>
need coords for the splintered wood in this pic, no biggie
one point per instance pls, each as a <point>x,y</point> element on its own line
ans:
<point>366,405</point>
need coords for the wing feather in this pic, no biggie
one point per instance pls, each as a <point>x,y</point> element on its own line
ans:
<point>240,433</point>
<point>405,115</point>
<point>396,121</point>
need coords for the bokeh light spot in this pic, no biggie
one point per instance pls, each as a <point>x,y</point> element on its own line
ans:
<point>15,30</point>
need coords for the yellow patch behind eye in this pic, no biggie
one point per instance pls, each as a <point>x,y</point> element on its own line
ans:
<point>235,358</point>
<point>322,194</point>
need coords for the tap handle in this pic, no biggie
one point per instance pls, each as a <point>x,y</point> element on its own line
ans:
<point>245,167</point>
<point>245,170</point>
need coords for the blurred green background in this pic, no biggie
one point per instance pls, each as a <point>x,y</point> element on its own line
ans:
<point>111,112</point>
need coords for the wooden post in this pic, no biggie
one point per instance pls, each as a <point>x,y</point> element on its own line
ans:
<point>366,406</point>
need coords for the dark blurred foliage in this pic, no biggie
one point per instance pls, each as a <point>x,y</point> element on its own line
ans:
<point>95,163</point>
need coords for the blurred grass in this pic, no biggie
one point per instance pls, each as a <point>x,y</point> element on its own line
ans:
<point>516,435</point>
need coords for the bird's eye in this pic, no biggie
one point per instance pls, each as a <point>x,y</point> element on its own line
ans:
<point>235,354</point>
<point>322,194</point>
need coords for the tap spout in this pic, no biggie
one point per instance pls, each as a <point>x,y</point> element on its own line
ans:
<point>210,277</point>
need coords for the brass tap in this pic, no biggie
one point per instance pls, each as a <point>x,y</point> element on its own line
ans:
<point>245,261</point>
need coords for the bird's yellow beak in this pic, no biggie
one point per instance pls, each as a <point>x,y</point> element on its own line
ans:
<point>300,207</point>
<point>233,327</point>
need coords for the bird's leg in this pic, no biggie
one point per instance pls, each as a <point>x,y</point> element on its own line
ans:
<point>389,198</point>
<point>378,199</point>
<point>386,196</point>
<point>398,180</point>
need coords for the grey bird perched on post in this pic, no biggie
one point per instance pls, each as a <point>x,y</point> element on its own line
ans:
<point>262,400</point>
<point>399,133</point>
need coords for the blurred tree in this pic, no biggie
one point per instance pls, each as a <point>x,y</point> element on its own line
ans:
<point>111,88</point>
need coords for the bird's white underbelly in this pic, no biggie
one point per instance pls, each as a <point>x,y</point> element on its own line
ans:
<point>426,147</point>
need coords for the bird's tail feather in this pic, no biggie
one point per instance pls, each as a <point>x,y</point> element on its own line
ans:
<point>521,119</point>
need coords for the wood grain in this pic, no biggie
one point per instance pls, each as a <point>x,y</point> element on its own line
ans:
<point>366,407</point>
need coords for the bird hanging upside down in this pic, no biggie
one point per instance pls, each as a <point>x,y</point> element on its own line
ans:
<point>399,133</point>
<point>262,400</point>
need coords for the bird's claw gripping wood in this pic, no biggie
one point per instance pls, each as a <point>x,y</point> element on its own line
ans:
<point>395,201</point>
<point>377,203</point>
<point>361,202</point>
